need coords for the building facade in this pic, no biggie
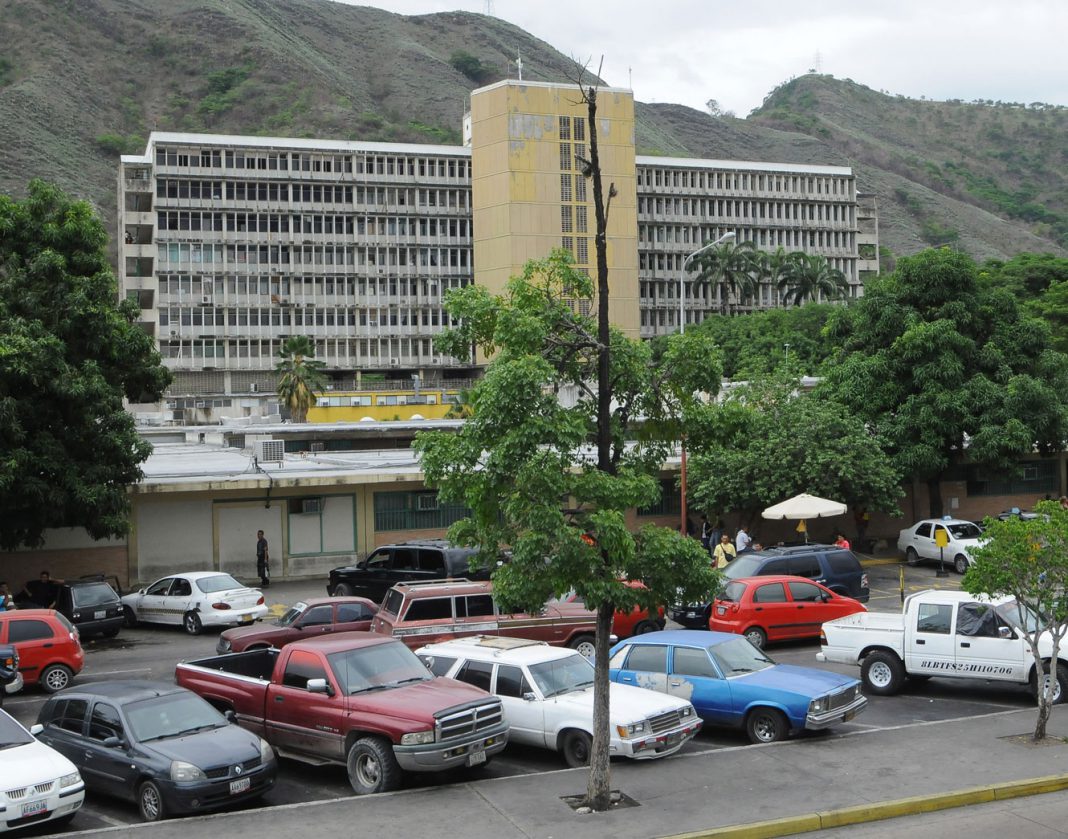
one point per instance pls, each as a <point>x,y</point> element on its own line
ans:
<point>232,244</point>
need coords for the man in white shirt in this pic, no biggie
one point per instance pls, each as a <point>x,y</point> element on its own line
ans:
<point>742,540</point>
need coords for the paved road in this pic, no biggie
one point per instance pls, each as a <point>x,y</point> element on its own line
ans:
<point>151,653</point>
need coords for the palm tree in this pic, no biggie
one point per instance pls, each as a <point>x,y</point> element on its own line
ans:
<point>301,376</point>
<point>732,268</point>
<point>773,267</point>
<point>810,277</point>
<point>462,405</point>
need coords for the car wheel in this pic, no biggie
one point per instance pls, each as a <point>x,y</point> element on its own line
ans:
<point>129,617</point>
<point>343,590</point>
<point>576,746</point>
<point>883,673</point>
<point>1060,689</point>
<point>111,633</point>
<point>56,677</point>
<point>644,627</point>
<point>756,636</point>
<point>960,563</point>
<point>766,725</point>
<point>372,766</point>
<point>191,623</point>
<point>911,557</point>
<point>150,802</point>
<point>584,644</point>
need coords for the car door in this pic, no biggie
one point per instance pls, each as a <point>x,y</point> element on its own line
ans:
<point>34,640</point>
<point>645,666</point>
<point>524,706</point>
<point>151,605</point>
<point>695,678</point>
<point>106,766</point>
<point>986,645</point>
<point>63,731</point>
<point>772,611</point>
<point>923,541</point>
<point>306,722</point>
<point>430,564</point>
<point>476,614</point>
<point>806,603</point>
<point>806,565</point>
<point>929,642</point>
<point>318,620</point>
<point>182,597</point>
<point>353,617</point>
<point>377,578</point>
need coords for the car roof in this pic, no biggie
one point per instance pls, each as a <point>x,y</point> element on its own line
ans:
<point>123,690</point>
<point>941,521</point>
<point>437,588</point>
<point>774,578</point>
<point>196,575</point>
<point>682,638</point>
<point>40,614</point>
<point>341,641</point>
<point>326,601</point>
<point>499,648</point>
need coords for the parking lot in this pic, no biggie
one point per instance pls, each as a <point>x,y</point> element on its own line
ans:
<point>151,653</point>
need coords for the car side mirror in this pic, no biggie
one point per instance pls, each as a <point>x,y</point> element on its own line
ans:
<point>1005,632</point>
<point>429,662</point>
<point>111,742</point>
<point>36,729</point>
<point>320,686</point>
<point>231,716</point>
<point>529,697</point>
<point>140,591</point>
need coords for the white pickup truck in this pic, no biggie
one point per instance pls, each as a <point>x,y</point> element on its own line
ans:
<point>940,633</point>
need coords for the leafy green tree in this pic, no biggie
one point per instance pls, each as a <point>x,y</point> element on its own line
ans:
<point>732,268</point>
<point>69,354</point>
<point>524,465</point>
<point>301,376</point>
<point>943,369</point>
<point>1052,307</point>
<point>766,442</point>
<point>810,277</point>
<point>1027,559</point>
<point>1027,274</point>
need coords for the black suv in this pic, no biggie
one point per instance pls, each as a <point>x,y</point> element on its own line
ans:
<point>405,562</point>
<point>837,568</point>
<point>92,605</point>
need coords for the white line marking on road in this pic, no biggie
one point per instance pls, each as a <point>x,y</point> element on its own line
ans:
<point>115,672</point>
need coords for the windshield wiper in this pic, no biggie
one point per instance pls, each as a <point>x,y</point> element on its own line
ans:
<point>741,669</point>
<point>406,681</point>
<point>370,688</point>
<point>192,730</point>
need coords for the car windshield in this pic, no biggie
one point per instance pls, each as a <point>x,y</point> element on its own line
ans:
<point>171,715</point>
<point>739,656</point>
<point>743,566</point>
<point>732,593</point>
<point>95,594</point>
<point>377,667</point>
<point>220,582</point>
<point>11,733</point>
<point>292,613</point>
<point>562,675</point>
<point>1019,616</point>
<point>965,530</point>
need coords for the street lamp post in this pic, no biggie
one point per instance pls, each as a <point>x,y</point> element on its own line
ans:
<point>726,237</point>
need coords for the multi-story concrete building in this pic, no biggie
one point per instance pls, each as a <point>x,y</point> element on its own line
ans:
<point>231,244</point>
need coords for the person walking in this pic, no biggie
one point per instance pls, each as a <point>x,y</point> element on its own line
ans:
<point>263,560</point>
<point>724,552</point>
<point>742,541</point>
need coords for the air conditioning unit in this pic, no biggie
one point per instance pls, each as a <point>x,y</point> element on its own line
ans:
<point>254,388</point>
<point>308,505</point>
<point>206,298</point>
<point>174,333</point>
<point>426,501</point>
<point>270,451</point>
<point>394,362</point>
<point>202,404</point>
<point>372,322</point>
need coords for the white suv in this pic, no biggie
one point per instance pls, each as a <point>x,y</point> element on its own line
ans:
<point>37,784</point>
<point>547,694</point>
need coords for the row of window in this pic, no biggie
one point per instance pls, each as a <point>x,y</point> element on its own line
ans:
<point>209,316</point>
<point>196,285</point>
<point>385,400</point>
<point>215,351</point>
<point>761,181</point>
<point>365,164</point>
<point>719,208</point>
<point>313,223</point>
<point>176,253</point>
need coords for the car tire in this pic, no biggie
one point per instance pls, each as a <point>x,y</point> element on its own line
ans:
<point>766,725</point>
<point>584,644</point>
<point>150,802</point>
<point>372,766</point>
<point>882,673</point>
<point>56,677</point>
<point>129,617</point>
<point>645,626</point>
<point>576,746</point>
<point>756,636</point>
<point>343,590</point>
<point>192,624</point>
<point>1060,693</point>
<point>960,563</point>
<point>911,557</point>
<point>110,633</point>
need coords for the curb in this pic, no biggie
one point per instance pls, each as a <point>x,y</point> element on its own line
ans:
<point>879,810</point>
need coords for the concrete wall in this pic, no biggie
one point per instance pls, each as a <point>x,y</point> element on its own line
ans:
<point>171,534</point>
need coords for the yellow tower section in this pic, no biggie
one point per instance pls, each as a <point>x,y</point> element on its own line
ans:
<point>528,193</point>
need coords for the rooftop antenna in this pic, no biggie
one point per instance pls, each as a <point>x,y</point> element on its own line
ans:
<point>519,64</point>
<point>630,78</point>
<point>817,63</point>
<point>489,8</point>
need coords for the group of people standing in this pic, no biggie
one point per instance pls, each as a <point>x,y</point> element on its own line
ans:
<point>717,541</point>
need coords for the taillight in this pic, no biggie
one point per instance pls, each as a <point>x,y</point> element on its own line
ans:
<point>864,581</point>
<point>823,638</point>
<point>220,606</point>
<point>259,602</point>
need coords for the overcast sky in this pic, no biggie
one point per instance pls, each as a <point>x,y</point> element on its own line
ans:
<point>690,51</point>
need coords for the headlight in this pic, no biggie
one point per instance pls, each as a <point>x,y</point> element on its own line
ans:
<point>266,752</point>
<point>224,646</point>
<point>634,729</point>
<point>70,780</point>
<point>182,771</point>
<point>817,706</point>
<point>417,738</point>
<point>687,711</point>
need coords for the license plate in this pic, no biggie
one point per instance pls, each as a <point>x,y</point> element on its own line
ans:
<point>34,808</point>
<point>240,785</point>
<point>474,758</point>
<point>245,619</point>
<point>99,616</point>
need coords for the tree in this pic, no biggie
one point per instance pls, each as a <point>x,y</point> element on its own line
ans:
<point>944,370</point>
<point>732,268</point>
<point>1028,560</point>
<point>766,442</point>
<point>555,483</point>
<point>810,277</point>
<point>69,354</point>
<point>301,376</point>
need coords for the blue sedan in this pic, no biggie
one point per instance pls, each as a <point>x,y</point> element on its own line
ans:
<point>732,683</point>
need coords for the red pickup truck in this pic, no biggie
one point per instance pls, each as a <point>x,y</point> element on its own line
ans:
<point>358,699</point>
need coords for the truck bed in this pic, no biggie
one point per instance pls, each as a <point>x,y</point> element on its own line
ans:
<point>254,664</point>
<point>871,621</point>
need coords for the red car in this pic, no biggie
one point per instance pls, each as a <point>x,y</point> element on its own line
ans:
<point>301,622</point>
<point>50,652</point>
<point>777,608</point>
<point>626,624</point>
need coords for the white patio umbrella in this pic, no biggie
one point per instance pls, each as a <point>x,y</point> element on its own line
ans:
<point>802,507</point>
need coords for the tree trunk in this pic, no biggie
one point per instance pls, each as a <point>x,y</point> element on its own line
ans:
<point>934,496</point>
<point>599,783</point>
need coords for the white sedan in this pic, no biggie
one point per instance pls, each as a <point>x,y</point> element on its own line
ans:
<point>37,784</point>
<point>918,542</point>
<point>195,600</point>
<point>547,694</point>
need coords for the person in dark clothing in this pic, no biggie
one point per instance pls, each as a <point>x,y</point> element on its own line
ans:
<point>42,592</point>
<point>263,560</point>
